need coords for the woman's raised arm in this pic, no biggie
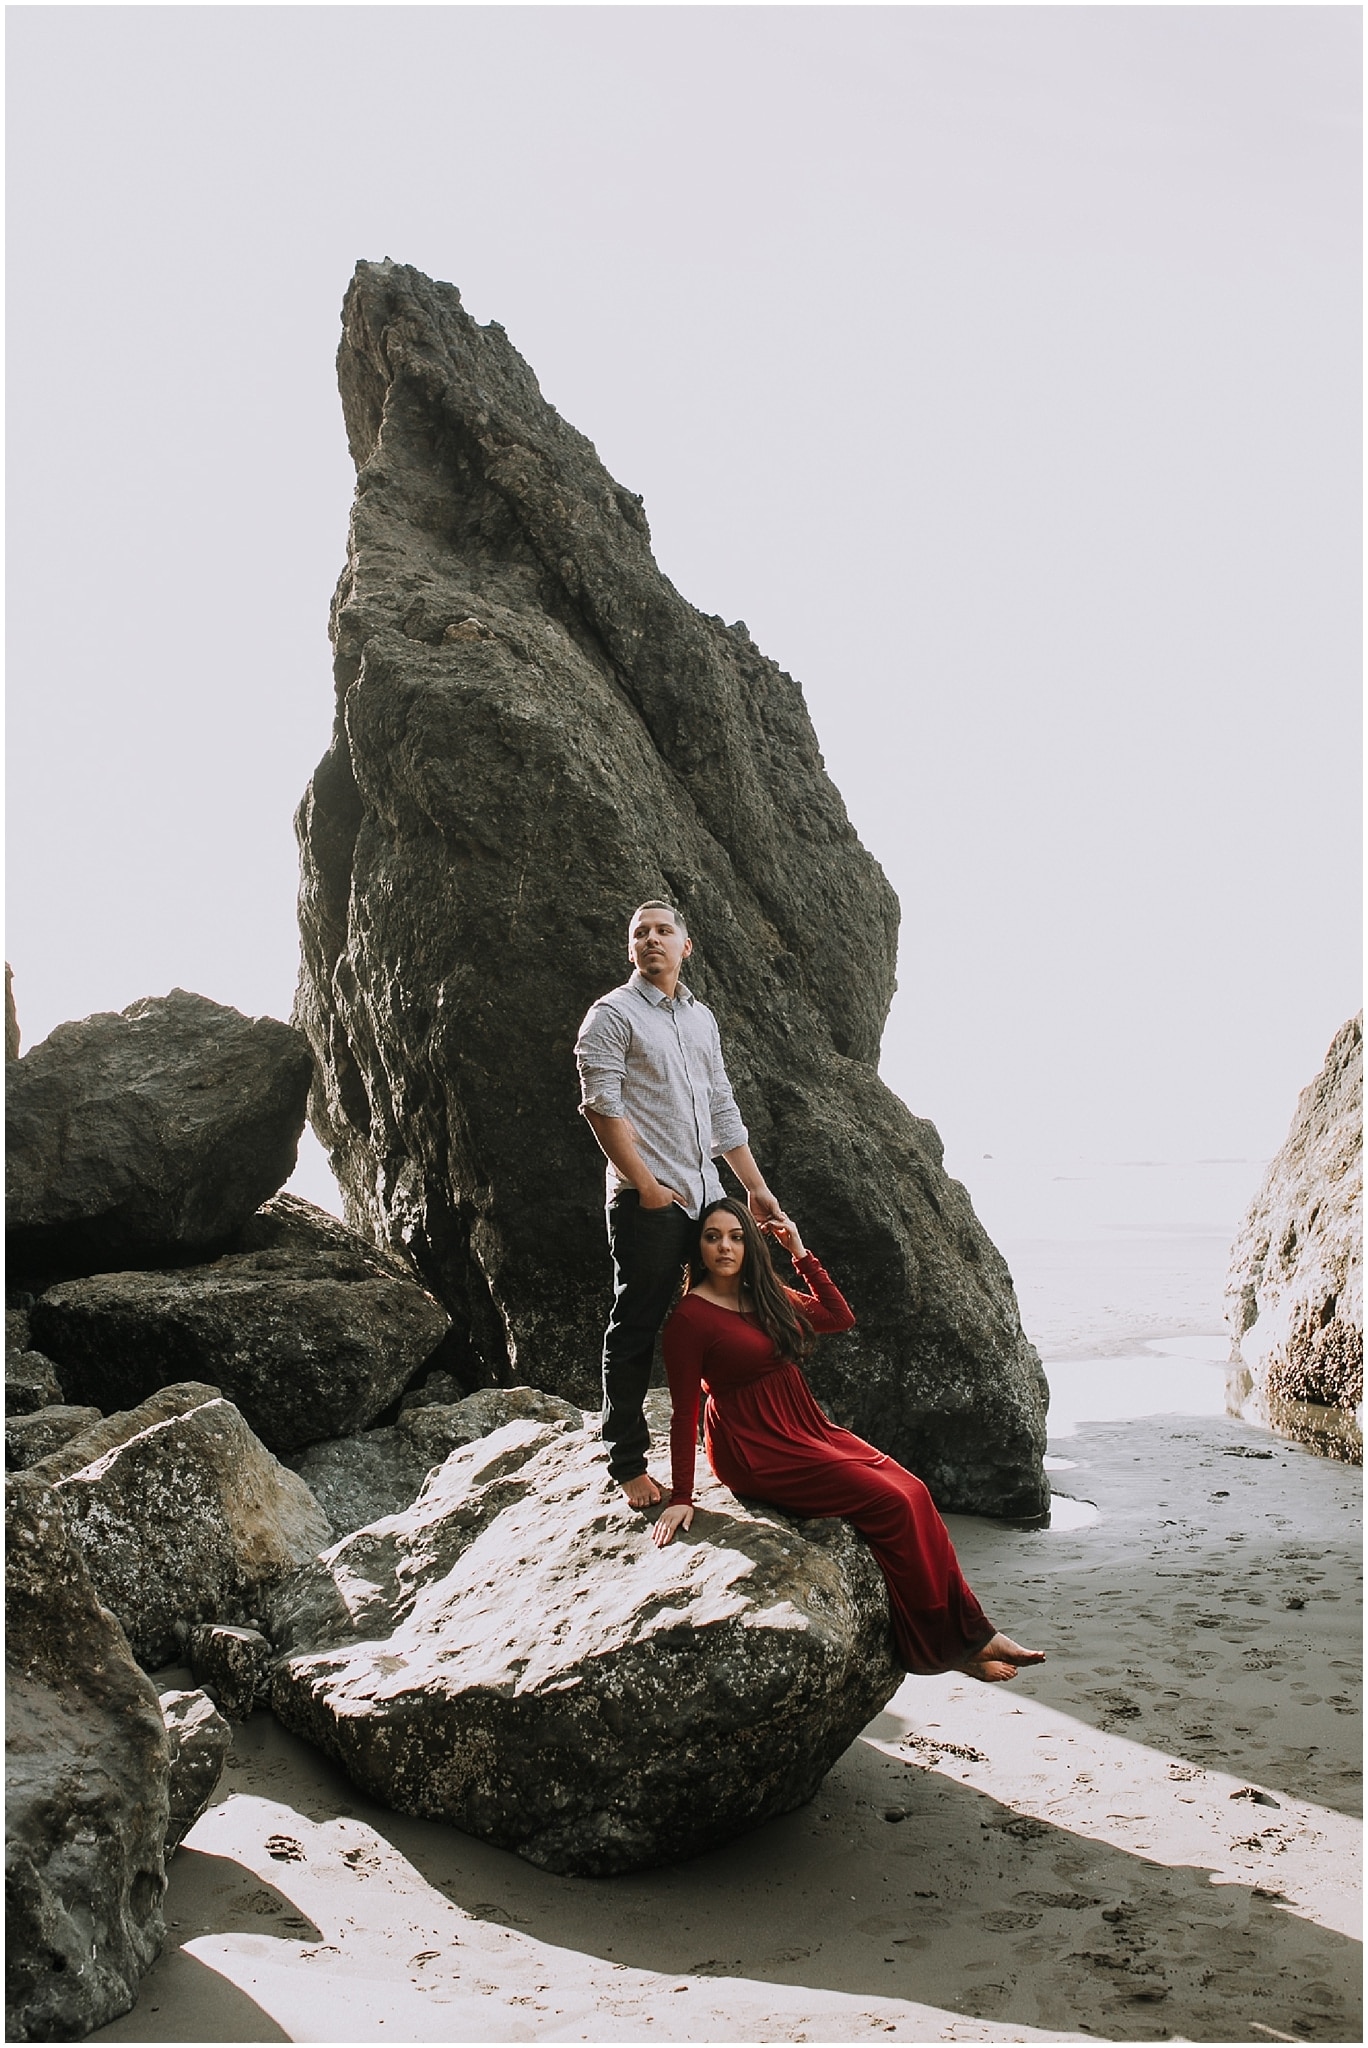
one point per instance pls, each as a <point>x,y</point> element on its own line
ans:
<point>824,1305</point>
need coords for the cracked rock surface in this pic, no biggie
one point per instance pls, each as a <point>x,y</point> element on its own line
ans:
<point>180,1514</point>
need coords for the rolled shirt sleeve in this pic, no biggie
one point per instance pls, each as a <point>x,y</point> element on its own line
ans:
<point>601,1056</point>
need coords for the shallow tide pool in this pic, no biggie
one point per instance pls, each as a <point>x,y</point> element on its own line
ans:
<point>1166,1376</point>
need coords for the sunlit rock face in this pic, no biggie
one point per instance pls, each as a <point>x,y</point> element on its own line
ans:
<point>199,1739</point>
<point>181,1515</point>
<point>535,732</point>
<point>513,1655</point>
<point>377,1472</point>
<point>1294,1294</point>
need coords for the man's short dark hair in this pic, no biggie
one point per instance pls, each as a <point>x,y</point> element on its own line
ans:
<point>654,904</point>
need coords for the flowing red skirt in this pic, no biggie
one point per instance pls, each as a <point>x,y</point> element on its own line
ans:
<point>770,1441</point>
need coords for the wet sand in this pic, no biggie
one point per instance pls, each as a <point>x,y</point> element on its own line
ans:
<point>1077,1855</point>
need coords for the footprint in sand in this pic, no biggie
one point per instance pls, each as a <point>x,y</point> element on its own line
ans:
<point>357,1859</point>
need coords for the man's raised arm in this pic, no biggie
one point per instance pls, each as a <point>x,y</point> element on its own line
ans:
<point>759,1200</point>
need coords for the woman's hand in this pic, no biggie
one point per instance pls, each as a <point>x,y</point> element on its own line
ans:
<point>667,1521</point>
<point>786,1230</point>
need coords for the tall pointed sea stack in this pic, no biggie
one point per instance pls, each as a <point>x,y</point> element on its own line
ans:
<point>535,733</point>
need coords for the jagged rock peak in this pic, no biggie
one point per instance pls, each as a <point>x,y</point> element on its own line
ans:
<point>450,433</point>
<point>535,733</point>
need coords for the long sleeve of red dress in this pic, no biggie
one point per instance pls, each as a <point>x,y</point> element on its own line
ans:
<point>703,1353</point>
<point>767,1439</point>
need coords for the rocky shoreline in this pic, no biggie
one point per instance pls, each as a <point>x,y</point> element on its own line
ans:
<point>569,1690</point>
<point>271,1476</point>
<point>1086,1860</point>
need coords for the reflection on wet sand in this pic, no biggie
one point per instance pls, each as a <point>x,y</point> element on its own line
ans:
<point>1329,1432</point>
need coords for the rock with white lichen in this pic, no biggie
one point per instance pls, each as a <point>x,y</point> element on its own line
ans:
<point>514,1656</point>
<point>199,1739</point>
<point>181,1515</point>
<point>359,1479</point>
<point>31,1437</point>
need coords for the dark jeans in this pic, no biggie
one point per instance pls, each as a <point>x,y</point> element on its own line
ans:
<point>648,1247</point>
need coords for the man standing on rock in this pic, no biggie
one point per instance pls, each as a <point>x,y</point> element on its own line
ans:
<point>655,1094</point>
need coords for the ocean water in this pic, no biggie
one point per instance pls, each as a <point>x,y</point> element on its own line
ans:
<point>1120,1270</point>
<point>1119,1267</point>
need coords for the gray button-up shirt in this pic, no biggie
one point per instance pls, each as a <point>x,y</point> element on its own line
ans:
<point>658,1063</point>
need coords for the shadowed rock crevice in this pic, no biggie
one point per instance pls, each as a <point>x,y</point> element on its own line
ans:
<point>534,733</point>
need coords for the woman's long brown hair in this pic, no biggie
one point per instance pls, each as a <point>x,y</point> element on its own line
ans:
<point>790,1331</point>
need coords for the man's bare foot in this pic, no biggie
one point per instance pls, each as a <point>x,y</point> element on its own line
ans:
<point>641,1492</point>
<point>999,1659</point>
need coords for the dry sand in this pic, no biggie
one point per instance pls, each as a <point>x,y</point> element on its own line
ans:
<point>1077,1854</point>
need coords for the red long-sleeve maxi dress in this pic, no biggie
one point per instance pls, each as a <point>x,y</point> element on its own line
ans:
<point>766,1438</point>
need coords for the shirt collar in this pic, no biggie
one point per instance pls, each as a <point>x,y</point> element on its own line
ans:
<point>637,980</point>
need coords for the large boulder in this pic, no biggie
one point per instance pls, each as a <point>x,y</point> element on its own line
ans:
<point>514,1656</point>
<point>31,1437</point>
<point>287,1223</point>
<point>148,1133</point>
<point>86,1775</point>
<point>231,1664</point>
<point>360,1479</point>
<point>534,733</point>
<point>1294,1294</point>
<point>307,1343</point>
<point>31,1379</point>
<point>199,1740</point>
<point>181,1515</point>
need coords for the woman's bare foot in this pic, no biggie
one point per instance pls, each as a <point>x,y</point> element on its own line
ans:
<point>641,1492</point>
<point>999,1659</point>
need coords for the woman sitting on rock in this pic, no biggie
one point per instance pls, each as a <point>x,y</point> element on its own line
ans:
<point>738,1338</point>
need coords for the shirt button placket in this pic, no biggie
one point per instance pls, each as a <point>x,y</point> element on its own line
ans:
<point>698,1119</point>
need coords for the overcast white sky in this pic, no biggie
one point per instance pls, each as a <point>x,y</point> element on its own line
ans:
<point>999,367</point>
